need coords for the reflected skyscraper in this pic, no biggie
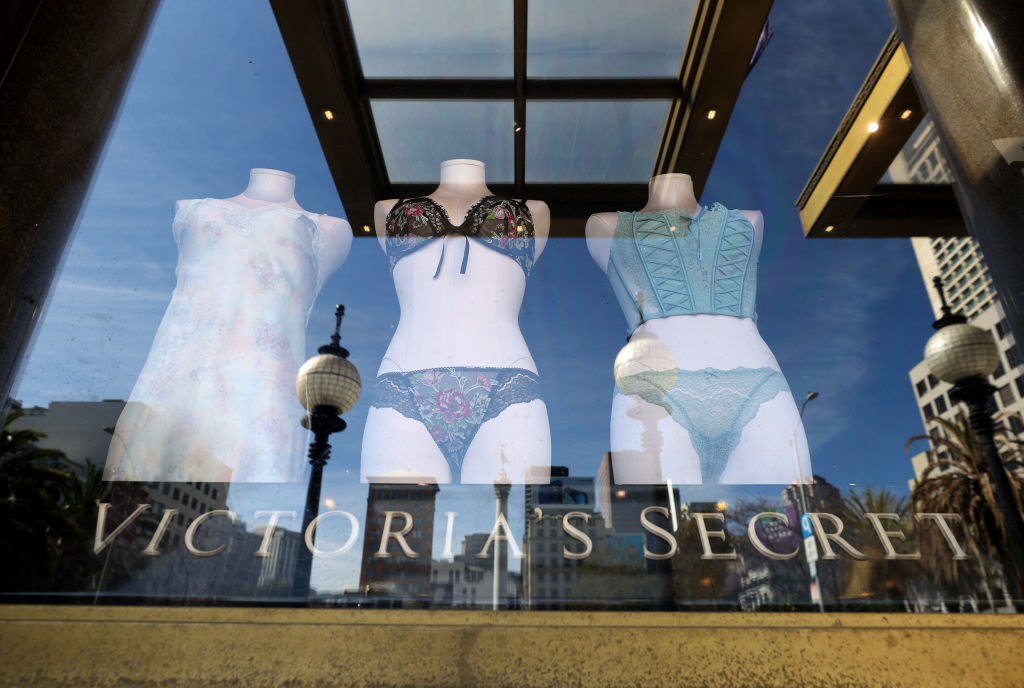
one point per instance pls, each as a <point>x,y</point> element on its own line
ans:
<point>959,263</point>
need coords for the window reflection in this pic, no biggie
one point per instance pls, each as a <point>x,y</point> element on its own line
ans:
<point>413,131</point>
<point>604,38</point>
<point>593,141</point>
<point>450,39</point>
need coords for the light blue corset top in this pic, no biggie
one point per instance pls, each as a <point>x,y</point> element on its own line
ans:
<point>667,263</point>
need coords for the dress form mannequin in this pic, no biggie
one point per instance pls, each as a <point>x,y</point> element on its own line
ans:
<point>215,399</point>
<point>647,445</point>
<point>274,187</point>
<point>457,319</point>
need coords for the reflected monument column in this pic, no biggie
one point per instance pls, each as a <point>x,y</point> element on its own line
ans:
<point>502,487</point>
<point>967,59</point>
<point>65,67</point>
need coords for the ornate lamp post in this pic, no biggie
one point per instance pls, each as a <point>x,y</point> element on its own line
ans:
<point>328,385</point>
<point>964,356</point>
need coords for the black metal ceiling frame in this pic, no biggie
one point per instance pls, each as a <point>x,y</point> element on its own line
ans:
<point>322,45</point>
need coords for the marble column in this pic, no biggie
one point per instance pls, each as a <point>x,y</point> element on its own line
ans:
<point>967,60</point>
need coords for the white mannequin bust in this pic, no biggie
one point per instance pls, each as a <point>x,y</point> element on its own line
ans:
<point>274,187</point>
<point>647,445</point>
<point>458,320</point>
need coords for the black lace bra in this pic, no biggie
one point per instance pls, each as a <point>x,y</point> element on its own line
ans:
<point>501,224</point>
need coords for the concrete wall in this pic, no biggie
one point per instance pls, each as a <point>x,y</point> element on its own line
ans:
<point>148,646</point>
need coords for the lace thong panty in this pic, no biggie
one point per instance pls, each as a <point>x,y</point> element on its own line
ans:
<point>712,405</point>
<point>452,403</point>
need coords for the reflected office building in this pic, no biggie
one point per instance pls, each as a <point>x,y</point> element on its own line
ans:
<point>400,567</point>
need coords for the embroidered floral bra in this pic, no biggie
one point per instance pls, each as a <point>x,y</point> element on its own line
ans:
<point>501,224</point>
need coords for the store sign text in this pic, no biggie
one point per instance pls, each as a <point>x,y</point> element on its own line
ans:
<point>710,526</point>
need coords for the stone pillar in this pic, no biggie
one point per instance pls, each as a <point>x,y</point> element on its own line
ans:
<point>63,70</point>
<point>967,59</point>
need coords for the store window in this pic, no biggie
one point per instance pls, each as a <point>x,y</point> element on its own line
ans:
<point>578,310</point>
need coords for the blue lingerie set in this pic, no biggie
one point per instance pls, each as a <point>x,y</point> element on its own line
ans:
<point>452,402</point>
<point>668,263</point>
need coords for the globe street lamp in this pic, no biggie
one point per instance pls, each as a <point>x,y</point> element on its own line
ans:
<point>964,356</point>
<point>327,385</point>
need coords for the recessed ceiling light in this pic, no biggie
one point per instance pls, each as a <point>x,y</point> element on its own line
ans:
<point>712,114</point>
<point>366,228</point>
<point>829,228</point>
<point>906,114</point>
<point>328,115</point>
<point>873,127</point>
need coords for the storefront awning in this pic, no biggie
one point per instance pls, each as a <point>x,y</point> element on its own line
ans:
<point>563,101</point>
<point>844,198</point>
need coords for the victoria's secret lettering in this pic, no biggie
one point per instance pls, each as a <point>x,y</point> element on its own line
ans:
<point>828,530</point>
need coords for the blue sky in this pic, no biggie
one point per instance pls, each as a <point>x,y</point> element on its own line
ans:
<point>215,95</point>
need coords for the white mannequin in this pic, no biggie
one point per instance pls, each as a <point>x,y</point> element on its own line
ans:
<point>215,399</point>
<point>274,187</point>
<point>647,445</point>
<point>460,320</point>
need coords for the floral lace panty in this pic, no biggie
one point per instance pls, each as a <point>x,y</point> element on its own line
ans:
<point>452,403</point>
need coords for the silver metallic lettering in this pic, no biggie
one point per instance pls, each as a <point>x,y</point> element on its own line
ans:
<point>99,542</point>
<point>886,536</point>
<point>311,529</point>
<point>824,537</point>
<point>659,532</point>
<point>386,536</point>
<point>193,527</point>
<point>154,542</point>
<point>941,521</point>
<point>760,546</point>
<point>705,543</point>
<point>577,534</point>
<point>449,530</point>
<point>500,524</point>
<point>268,534</point>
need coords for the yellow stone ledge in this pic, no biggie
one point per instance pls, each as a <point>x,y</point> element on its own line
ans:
<point>44,645</point>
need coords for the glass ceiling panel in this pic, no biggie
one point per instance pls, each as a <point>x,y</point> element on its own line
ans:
<point>398,38</point>
<point>607,38</point>
<point>417,135</point>
<point>593,141</point>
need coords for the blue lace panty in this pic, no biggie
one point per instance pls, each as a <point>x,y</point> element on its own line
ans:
<point>712,405</point>
<point>452,403</point>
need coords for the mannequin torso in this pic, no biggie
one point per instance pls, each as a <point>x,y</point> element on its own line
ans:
<point>215,398</point>
<point>274,187</point>
<point>700,340</point>
<point>459,325</point>
<point>647,445</point>
<point>492,285</point>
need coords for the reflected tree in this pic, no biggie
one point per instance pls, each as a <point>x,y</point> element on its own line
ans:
<point>33,509</point>
<point>957,481</point>
<point>47,515</point>
<point>877,577</point>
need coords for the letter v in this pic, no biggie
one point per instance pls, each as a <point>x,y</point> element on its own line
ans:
<point>99,542</point>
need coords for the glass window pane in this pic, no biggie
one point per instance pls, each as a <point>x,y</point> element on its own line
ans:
<point>920,161</point>
<point>449,39</point>
<point>417,135</point>
<point>593,141</point>
<point>605,38</point>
